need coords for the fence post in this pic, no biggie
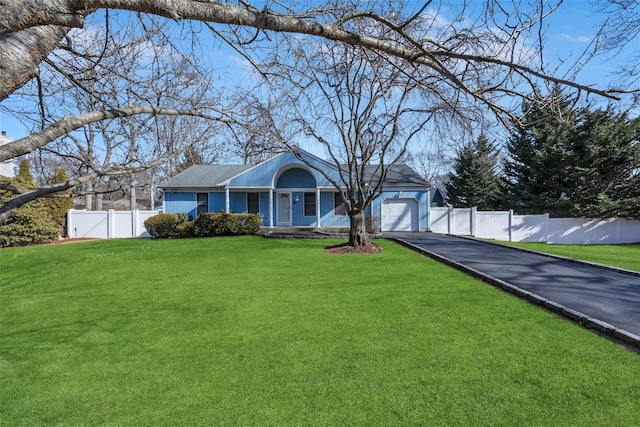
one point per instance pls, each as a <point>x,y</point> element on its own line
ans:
<point>473,219</point>
<point>69,222</point>
<point>111,223</point>
<point>134,223</point>
<point>546,227</point>
<point>511,225</point>
<point>450,208</point>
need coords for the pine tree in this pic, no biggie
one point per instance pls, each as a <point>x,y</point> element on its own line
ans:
<point>538,158</point>
<point>605,171</point>
<point>475,180</point>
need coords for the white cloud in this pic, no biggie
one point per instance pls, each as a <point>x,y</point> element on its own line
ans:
<point>575,39</point>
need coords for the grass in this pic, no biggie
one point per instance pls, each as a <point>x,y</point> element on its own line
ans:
<point>622,256</point>
<point>250,331</point>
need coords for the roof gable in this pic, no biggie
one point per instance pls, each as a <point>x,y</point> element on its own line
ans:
<point>265,173</point>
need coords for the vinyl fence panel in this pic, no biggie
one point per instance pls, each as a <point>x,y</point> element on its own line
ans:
<point>503,225</point>
<point>107,224</point>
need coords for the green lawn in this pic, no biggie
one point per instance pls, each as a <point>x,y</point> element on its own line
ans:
<point>251,331</point>
<point>622,256</point>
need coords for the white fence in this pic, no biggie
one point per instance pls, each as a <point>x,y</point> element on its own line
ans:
<point>107,224</point>
<point>504,225</point>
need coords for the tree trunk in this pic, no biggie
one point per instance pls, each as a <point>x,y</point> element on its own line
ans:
<point>358,231</point>
<point>88,198</point>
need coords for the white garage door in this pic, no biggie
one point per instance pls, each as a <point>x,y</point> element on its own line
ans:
<point>399,215</point>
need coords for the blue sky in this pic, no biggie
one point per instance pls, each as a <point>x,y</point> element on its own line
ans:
<point>570,29</point>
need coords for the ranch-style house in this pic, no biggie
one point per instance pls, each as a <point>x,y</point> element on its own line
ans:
<point>285,192</point>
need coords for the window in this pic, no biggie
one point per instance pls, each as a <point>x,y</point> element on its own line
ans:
<point>202,201</point>
<point>309,204</point>
<point>253,203</point>
<point>339,208</point>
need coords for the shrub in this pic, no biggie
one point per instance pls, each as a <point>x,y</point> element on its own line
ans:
<point>29,225</point>
<point>223,224</point>
<point>185,229</point>
<point>372,223</point>
<point>183,218</point>
<point>162,225</point>
<point>57,207</point>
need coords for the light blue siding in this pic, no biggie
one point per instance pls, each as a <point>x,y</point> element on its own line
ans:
<point>216,201</point>
<point>180,202</point>
<point>327,214</point>
<point>238,202</point>
<point>264,208</point>
<point>296,178</point>
<point>297,208</point>
<point>263,175</point>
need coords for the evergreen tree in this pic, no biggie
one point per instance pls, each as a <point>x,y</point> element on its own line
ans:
<point>587,165</point>
<point>24,179</point>
<point>58,206</point>
<point>475,180</point>
<point>605,170</point>
<point>31,223</point>
<point>539,156</point>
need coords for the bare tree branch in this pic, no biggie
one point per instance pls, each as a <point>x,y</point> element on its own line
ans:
<point>65,125</point>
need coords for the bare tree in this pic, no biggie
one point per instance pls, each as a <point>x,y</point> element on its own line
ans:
<point>480,59</point>
<point>620,31</point>
<point>258,129</point>
<point>96,70</point>
<point>362,110</point>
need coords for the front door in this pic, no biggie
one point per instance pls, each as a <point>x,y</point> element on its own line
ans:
<point>284,208</point>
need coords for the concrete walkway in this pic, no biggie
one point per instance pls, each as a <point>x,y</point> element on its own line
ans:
<point>607,300</point>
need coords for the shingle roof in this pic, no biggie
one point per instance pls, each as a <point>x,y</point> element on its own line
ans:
<point>204,176</point>
<point>399,175</point>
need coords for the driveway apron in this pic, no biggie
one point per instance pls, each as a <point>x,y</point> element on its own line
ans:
<point>601,294</point>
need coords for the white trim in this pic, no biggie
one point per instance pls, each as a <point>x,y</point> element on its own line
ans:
<point>318,207</point>
<point>271,207</point>
<point>296,189</point>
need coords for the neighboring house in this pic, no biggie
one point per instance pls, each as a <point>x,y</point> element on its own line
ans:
<point>7,169</point>
<point>288,193</point>
<point>438,197</point>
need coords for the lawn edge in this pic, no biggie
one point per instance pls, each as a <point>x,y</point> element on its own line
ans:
<point>548,255</point>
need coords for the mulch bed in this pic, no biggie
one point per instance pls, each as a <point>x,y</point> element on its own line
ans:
<point>345,248</point>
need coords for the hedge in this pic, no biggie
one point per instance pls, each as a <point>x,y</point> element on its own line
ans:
<point>162,225</point>
<point>224,224</point>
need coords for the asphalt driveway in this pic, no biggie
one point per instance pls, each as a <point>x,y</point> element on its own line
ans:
<point>585,293</point>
